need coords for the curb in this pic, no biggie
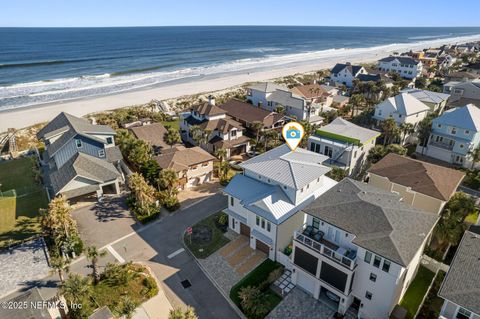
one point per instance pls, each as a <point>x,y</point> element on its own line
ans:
<point>232,304</point>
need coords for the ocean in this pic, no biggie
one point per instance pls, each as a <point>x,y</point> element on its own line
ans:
<point>43,65</point>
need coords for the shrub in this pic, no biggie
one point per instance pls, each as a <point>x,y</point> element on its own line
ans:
<point>151,288</point>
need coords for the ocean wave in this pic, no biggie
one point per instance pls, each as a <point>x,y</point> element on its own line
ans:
<point>39,92</point>
<point>51,62</point>
<point>425,37</point>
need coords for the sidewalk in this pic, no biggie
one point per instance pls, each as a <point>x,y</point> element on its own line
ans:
<point>156,308</point>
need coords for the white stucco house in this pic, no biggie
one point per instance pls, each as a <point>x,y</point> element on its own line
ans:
<point>406,67</point>
<point>357,246</point>
<point>264,202</point>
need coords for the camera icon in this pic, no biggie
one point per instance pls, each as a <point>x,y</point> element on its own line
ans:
<point>293,133</point>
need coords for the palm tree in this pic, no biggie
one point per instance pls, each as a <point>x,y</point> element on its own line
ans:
<point>196,133</point>
<point>93,254</point>
<point>475,155</point>
<point>269,135</point>
<point>257,127</point>
<point>390,130</point>
<point>128,307</point>
<point>172,137</point>
<point>221,153</point>
<point>406,129</point>
<point>61,265</point>
<point>76,288</point>
<point>168,180</point>
<point>143,193</point>
<point>180,314</point>
<point>356,100</point>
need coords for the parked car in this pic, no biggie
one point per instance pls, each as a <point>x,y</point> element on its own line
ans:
<point>235,165</point>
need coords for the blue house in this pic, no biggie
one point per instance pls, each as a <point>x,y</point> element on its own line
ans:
<point>80,158</point>
<point>454,135</point>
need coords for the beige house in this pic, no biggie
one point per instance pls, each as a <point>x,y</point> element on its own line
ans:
<point>193,165</point>
<point>423,185</point>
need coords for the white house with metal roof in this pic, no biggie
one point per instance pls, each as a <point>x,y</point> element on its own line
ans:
<point>436,101</point>
<point>406,67</point>
<point>359,249</point>
<point>347,145</point>
<point>264,201</point>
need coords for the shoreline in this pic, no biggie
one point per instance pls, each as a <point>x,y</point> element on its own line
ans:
<point>27,116</point>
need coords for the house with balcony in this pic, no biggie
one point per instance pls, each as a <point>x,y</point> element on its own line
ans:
<point>264,202</point>
<point>406,67</point>
<point>222,132</point>
<point>434,100</point>
<point>360,246</point>
<point>347,145</point>
<point>271,96</point>
<point>461,288</point>
<point>423,185</point>
<point>80,158</point>
<point>403,108</point>
<point>463,93</point>
<point>454,134</point>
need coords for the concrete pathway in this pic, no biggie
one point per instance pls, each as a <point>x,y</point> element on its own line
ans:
<point>433,264</point>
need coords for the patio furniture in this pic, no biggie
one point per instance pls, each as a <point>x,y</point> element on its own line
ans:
<point>308,231</point>
<point>318,236</point>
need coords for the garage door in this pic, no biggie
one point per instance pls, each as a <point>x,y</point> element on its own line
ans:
<point>244,230</point>
<point>305,282</point>
<point>262,246</point>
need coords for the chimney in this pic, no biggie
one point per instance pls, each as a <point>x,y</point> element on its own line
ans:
<point>211,100</point>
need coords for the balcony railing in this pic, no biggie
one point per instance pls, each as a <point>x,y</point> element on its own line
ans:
<point>442,145</point>
<point>314,239</point>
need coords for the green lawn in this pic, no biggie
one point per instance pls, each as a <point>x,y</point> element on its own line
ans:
<point>175,124</point>
<point>218,239</point>
<point>255,278</point>
<point>19,215</point>
<point>417,290</point>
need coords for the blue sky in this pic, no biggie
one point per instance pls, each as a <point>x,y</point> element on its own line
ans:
<point>89,13</point>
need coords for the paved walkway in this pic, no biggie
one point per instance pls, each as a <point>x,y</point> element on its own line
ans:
<point>433,264</point>
<point>299,305</point>
<point>284,283</point>
<point>232,262</point>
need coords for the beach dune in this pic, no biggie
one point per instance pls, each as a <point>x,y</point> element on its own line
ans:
<point>27,116</point>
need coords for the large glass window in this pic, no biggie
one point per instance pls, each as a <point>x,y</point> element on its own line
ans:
<point>386,266</point>
<point>376,261</point>
<point>368,257</point>
<point>463,314</point>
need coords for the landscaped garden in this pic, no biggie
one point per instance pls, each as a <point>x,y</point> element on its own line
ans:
<point>208,235</point>
<point>417,290</point>
<point>253,294</point>
<point>21,197</point>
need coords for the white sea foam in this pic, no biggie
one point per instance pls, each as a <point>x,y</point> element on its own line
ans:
<point>33,93</point>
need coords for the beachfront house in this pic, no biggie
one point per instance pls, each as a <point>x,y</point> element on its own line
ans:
<point>193,165</point>
<point>463,93</point>
<point>403,108</point>
<point>406,67</point>
<point>454,134</point>
<point>420,184</point>
<point>434,100</point>
<point>219,129</point>
<point>347,145</point>
<point>264,201</point>
<point>80,158</point>
<point>274,97</point>
<point>153,134</point>
<point>346,73</point>
<point>356,252</point>
<point>460,288</point>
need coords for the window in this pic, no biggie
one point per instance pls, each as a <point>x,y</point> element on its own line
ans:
<point>233,133</point>
<point>368,295</point>
<point>373,277</point>
<point>205,164</point>
<point>467,132</point>
<point>454,131</point>
<point>439,125</point>
<point>101,153</point>
<point>461,145</point>
<point>368,257</point>
<point>79,143</point>
<point>109,140</point>
<point>376,261</point>
<point>258,221</point>
<point>269,227</point>
<point>386,266</point>
<point>263,223</point>
<point>232,201</point>
<point>463,314</point>
<point>316,223</point>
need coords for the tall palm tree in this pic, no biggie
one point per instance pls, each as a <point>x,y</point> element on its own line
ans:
<point>61,265</point>
<point>356,100</point>
<point>144,193</point>
<point>172,136</point>
<point>390,130</point>
<point>221,153</point>
<point>406,129</point>
<point>475,155</point>
<point>257,127</point>
<point>93,254</point>
<point>168,181</point>
<point>196,133</point>
<point>269,135</point>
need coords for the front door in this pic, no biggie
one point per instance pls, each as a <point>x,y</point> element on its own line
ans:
<point>244,230</point>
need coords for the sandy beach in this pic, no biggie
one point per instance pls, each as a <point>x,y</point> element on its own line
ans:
<point>27,116</point>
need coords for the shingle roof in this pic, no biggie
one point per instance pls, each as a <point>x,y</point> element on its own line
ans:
<point>309,91</point>
<point>152,133</point>
<point>405,104</point>
<point>86,166</point>
<point>380,222</point>
<point>462,283</point>
<point>342,127</point>
<point>267,87</point>
<point>427,96</point>
<point>401,59</point>
<point>354,69</point>
<point>425,178</point>
<point>249,113</point>
<point>33,296</point>
<point>369,77</point>
<point>467,117</point>
<point>180,159</point>
<point>209,109</point>
<point>293,169</point>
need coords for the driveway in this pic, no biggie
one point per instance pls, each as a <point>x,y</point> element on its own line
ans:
<point>102,223</point>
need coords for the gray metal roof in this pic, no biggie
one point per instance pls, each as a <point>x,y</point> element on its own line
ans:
<point>86,166</point>
<point>427,96</point>
<point>467,117</point>
<point>462,283</point>
<point>293,169</point>
<point>381,222</point>
<point>401,59</point>
<point>267,87</point>
<point>343,127</point>
<point>404,104</point>
<point>354,69</point>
